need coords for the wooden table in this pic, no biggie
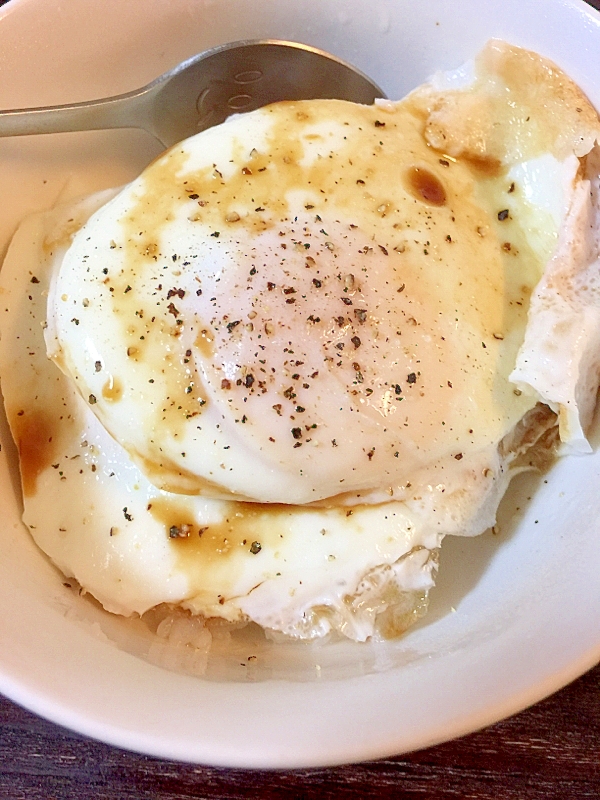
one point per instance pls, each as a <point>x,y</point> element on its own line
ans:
<point>549,752</point>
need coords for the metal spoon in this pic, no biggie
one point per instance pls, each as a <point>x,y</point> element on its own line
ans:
<point>204,90</point>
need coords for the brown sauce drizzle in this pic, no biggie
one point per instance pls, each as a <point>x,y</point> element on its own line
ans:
<point>36,442</point>
<point>245,527</point>
<point>112,390</point>
<point>425,186</point>
<point>484,165</point>
<point>204,342</point>
<point>62,236</point>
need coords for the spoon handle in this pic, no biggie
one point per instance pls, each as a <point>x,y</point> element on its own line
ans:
<point>121,111</point>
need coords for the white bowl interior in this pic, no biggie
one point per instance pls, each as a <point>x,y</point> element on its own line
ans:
<point>514,616</point>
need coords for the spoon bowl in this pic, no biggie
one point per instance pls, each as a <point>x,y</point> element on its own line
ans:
<point>206,89</point>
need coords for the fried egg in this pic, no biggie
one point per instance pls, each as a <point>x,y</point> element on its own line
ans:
<point>264,380</point>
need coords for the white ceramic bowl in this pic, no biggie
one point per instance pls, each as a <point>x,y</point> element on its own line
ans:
<point>513,618</point>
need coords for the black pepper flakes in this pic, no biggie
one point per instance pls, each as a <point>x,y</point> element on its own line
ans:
<point>297,433</point>
<point>502,215</point>
<point>179,531</point>
<point>412,378</point>
<point>255,548</point>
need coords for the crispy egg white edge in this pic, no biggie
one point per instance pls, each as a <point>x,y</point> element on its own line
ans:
<point>559,361</point>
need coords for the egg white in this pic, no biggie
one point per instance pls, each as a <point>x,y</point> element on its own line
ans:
<point>139,525</point>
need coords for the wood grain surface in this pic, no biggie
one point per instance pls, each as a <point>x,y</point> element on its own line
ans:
<point>548,752</point>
